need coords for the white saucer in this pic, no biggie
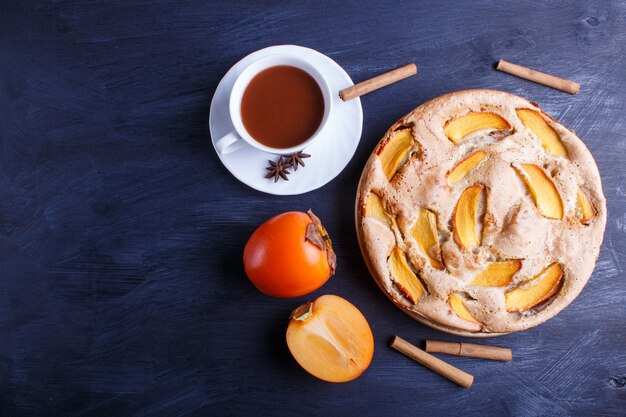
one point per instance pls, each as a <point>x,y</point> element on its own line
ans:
<point>329,155</point>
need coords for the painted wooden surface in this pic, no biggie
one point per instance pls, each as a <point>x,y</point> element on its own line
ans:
<point>121,284</point>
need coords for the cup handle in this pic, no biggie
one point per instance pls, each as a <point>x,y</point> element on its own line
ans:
<point>230,142</point>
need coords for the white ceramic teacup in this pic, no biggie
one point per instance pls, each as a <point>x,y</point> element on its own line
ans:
<point>238,139</point>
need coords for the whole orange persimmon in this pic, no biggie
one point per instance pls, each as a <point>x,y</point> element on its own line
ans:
<point>289,255</point>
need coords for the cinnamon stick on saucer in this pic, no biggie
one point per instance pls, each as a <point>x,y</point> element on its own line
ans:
<point>471,350</point>
<point>377,82</point>
<point>435,364</point>
<point>539,77</point>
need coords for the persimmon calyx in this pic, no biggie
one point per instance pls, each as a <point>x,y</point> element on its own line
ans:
<point>302,312</point>
<point>317,235</point>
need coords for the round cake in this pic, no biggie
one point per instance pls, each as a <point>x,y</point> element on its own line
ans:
<point>478,214</point>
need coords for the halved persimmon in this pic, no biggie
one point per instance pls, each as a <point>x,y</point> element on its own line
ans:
<point>330,339</point>
<point>289,255</point>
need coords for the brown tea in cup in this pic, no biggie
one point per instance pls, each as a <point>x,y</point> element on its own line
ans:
<point>282,107</point>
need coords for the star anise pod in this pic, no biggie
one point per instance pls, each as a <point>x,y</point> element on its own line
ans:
<point>278,170</point>
<point>296,159</point>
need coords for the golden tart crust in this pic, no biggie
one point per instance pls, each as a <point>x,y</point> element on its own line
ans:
<point>478,214</point>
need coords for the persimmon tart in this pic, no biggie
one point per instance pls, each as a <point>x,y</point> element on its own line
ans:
<point>478,214</point>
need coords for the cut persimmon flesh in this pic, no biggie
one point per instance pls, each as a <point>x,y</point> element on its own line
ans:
<point>586,208</point>
<point>330,339</point>
<point>393,151</point>
<point>464,220</point>
<point>465,166</point>
<point>544,192</point>
<point>458,306</point>
<point>406,280</point>
<point>457,129</point>
<point>550,140</point>
<point>538,289</point>
<point>374,208</point>
<point>425,233</point>
<point>497,274</point>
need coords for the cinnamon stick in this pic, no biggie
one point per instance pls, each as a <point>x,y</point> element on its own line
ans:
<point>539,77</point>
<point>471,350</point>
<point>435,364</point>
<point>377,82</point>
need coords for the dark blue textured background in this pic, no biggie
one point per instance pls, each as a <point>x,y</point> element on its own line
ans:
<point>121,285</point>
